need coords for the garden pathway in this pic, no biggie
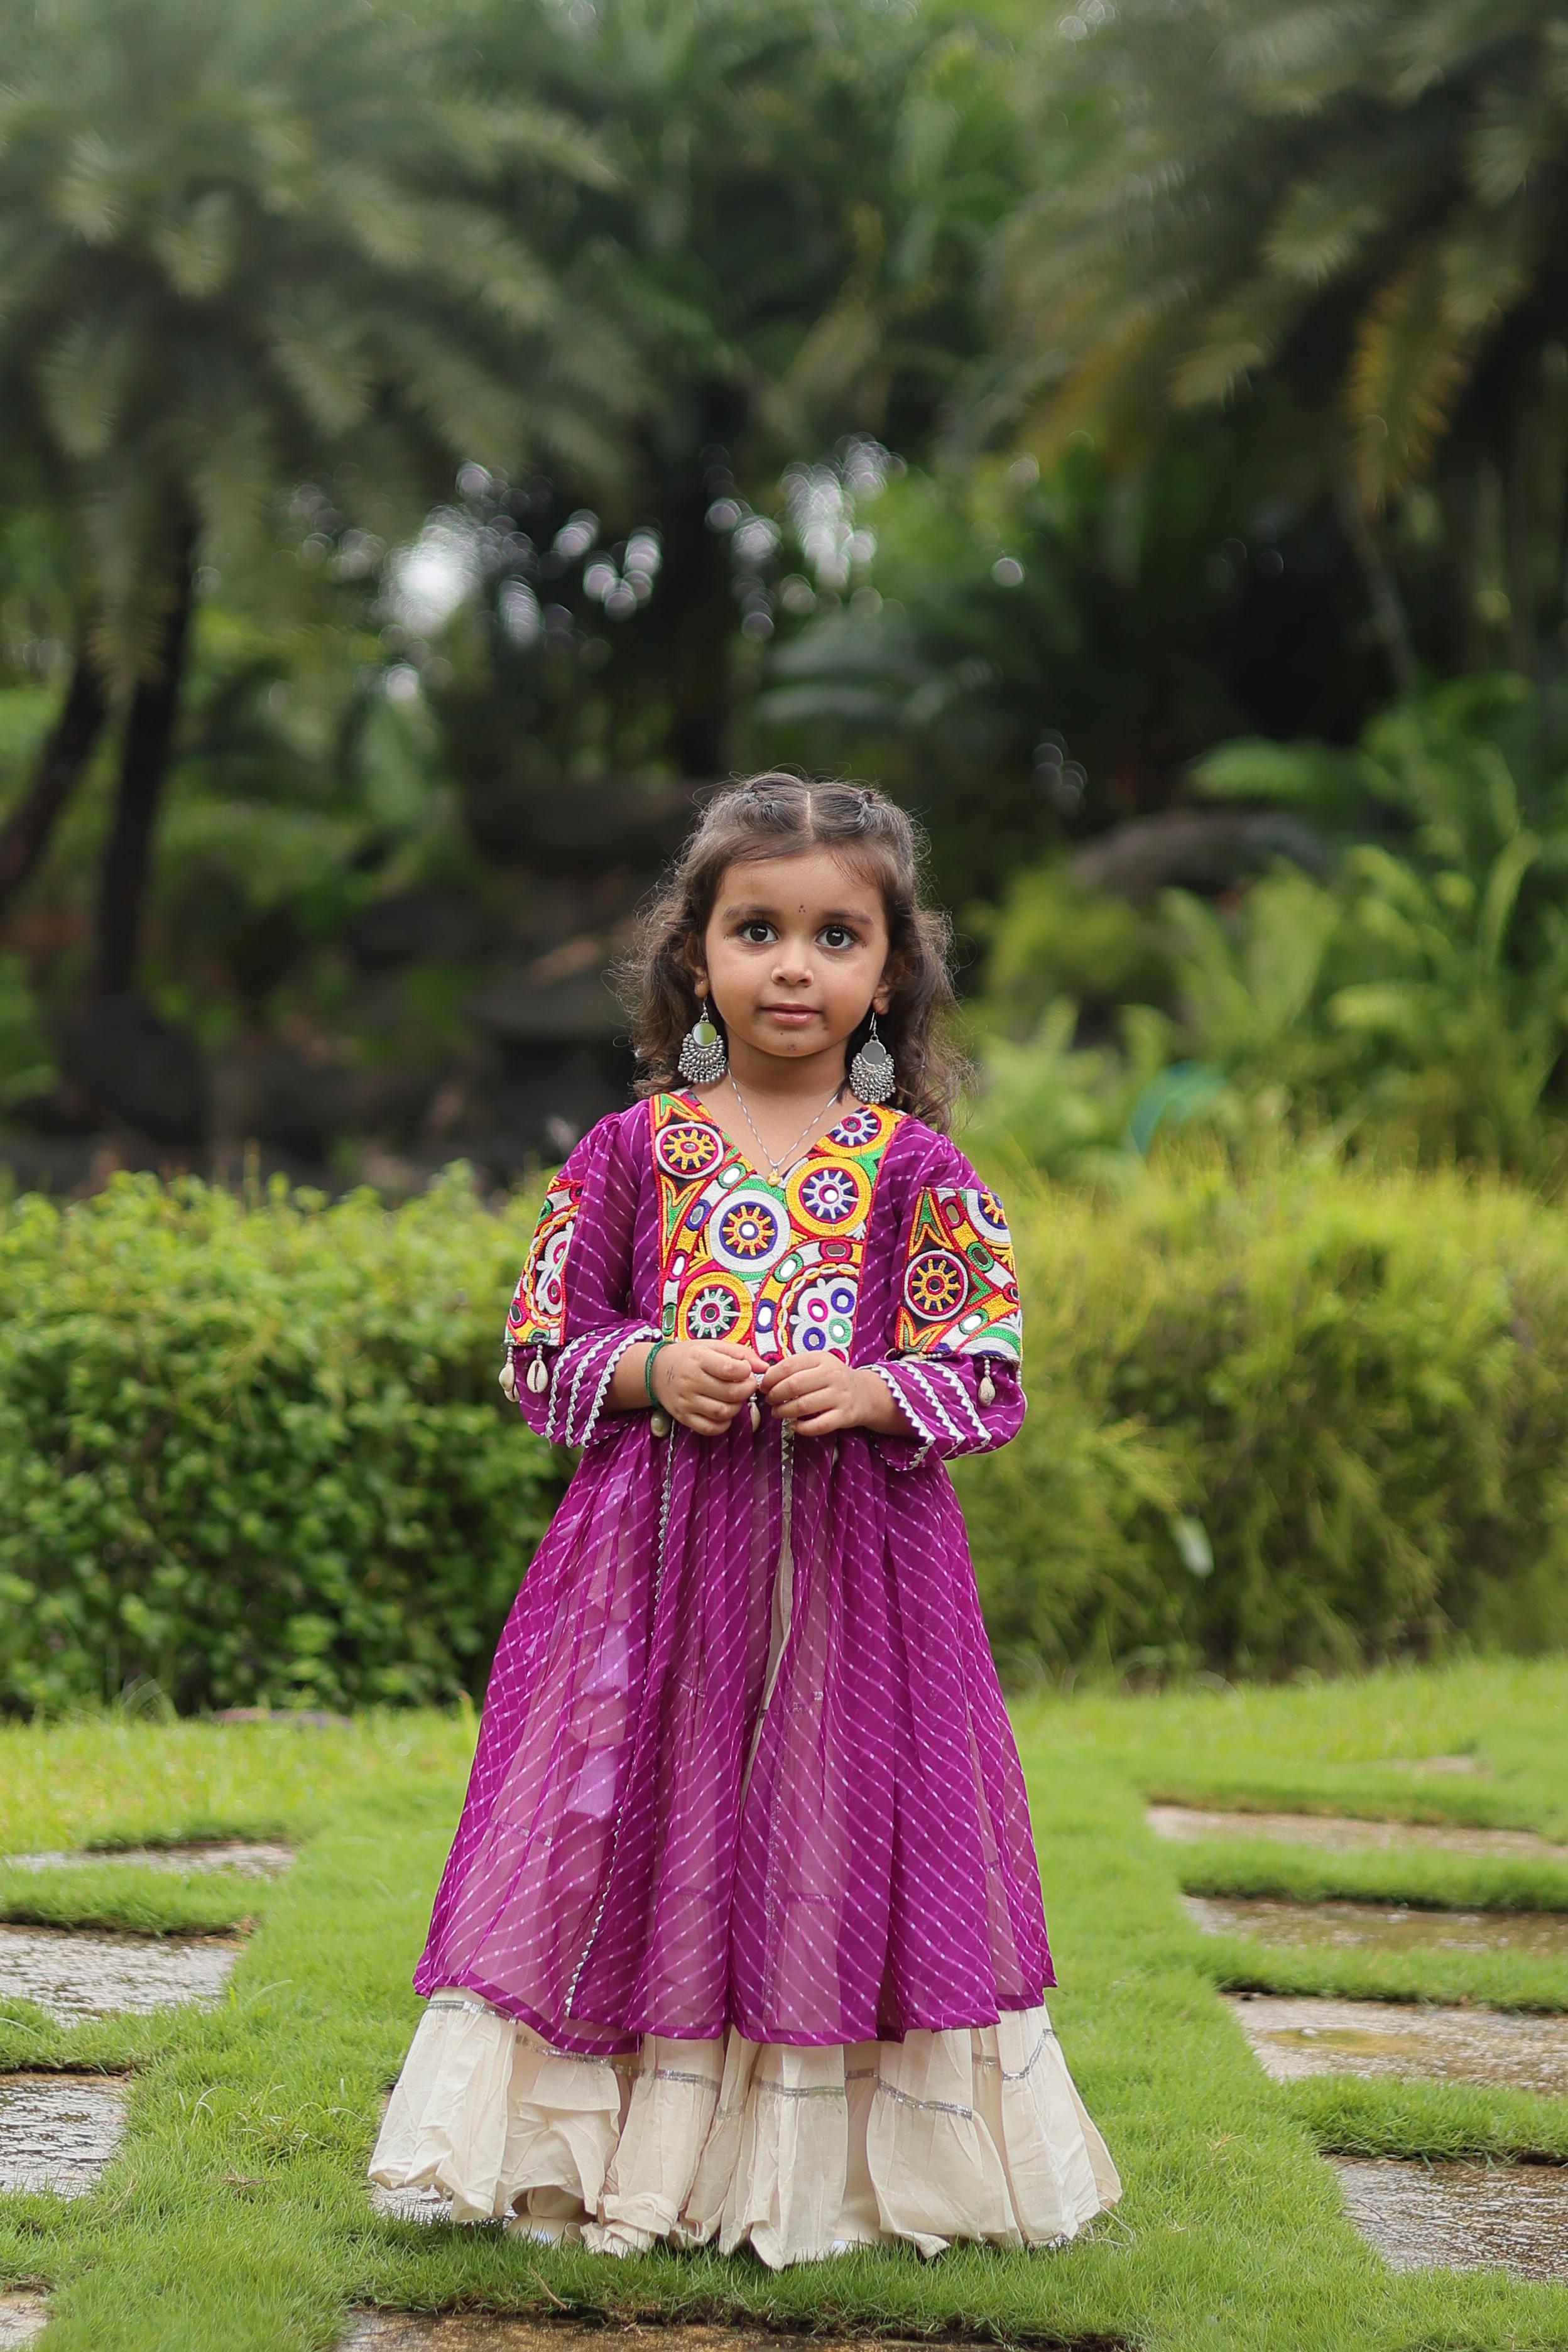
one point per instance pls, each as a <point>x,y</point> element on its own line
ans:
<point>1456,2215</point>
<point>1341,1833</point>
<point>58,2130</point>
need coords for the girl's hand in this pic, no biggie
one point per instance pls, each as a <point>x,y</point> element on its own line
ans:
<point>705,1383</point>
<point>820,1393</point>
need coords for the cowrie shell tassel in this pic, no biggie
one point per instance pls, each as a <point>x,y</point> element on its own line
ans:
<point>508,1378</point>
<point>538,1378</point>
<point>987,1389</point>
<point>756,1416</point>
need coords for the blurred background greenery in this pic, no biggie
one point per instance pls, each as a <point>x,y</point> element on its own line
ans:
<point>438,441</point>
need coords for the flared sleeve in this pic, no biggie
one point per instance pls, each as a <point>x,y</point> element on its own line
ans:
<point>955,1362</point>
<point>570,1319</point>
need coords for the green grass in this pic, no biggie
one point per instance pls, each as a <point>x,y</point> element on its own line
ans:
<point>235,2218</point>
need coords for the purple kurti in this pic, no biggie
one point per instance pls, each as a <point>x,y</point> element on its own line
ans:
<point>744,1760</point>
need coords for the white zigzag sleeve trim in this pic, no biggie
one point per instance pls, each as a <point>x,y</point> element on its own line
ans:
<point>970,1407</point>
<point>918,1372</point>
<point>911,1413</point>
<point>578,1363</point>
<point>583,1365</point>
<point>643,1331</point>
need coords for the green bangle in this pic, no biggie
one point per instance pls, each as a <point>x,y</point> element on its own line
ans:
<point>648,1372</point>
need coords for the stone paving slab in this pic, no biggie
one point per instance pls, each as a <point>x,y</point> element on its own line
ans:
<point>58,2131</point>
<point>1293,2037</point>
<point>1461,2217</point>
<point>253,1858</point>
<point>1379,1926</point>
<point>23,2317</point>
<point>1338,1834</point>
<point>72,1975</point>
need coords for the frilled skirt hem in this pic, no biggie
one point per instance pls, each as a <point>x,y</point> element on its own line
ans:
<point>975,2133</point>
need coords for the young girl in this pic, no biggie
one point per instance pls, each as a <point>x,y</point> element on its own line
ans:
<point>741,1937</point>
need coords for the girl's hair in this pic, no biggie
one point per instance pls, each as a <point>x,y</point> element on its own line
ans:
<point>781,816</point>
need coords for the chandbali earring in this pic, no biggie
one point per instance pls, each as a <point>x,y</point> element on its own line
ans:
<point>871,1071</point>
<point>702,1058</point>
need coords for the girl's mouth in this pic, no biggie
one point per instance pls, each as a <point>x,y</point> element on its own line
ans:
<point>794,1016</point>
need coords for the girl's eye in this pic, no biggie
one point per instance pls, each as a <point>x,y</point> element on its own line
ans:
<point>757,924</point>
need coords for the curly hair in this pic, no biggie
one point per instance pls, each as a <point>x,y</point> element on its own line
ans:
<point>781,816</point>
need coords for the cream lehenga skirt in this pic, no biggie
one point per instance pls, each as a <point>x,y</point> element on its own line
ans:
<point>975,2133</point>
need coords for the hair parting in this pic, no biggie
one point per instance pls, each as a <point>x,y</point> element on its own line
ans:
<point>776,815</point>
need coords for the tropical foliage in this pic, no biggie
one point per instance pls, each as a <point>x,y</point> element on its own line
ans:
<point>1418,999</point>
<point>243,249</point>
<point>1359,213</point>
<point>426,428</point>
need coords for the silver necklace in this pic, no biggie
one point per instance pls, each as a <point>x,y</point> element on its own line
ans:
<point>776,1165</point>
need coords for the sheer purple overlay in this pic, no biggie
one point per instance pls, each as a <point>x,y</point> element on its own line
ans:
<point>744,1760</point>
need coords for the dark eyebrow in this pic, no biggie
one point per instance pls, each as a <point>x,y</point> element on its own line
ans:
<point>830,914</point>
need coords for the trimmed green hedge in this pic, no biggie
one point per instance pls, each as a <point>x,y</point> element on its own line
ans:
<point>1309,1418</point>
<point>257,1453</point>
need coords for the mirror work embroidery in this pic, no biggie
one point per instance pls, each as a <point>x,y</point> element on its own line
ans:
<point>959,1290</point>
<point>745,1259</point>
<point>538,1310</point>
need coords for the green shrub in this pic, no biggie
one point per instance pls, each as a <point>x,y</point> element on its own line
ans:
<point>258,1454</point>
<point>1305,1417</point>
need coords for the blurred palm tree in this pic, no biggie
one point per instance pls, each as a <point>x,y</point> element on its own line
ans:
<point>805,193</point>
<point>244,245</point>
<point>1368,204</point>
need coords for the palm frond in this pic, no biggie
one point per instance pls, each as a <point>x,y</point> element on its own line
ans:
<point>1517,125</point>
<point>1485,267</point>
<point>1231,342</point>
<point>85,380</point>
<point>1324,224</point>
<point>1410,364</point>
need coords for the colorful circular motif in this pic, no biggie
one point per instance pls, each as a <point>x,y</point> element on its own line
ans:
<point>828,1197</point>
<point>986,1210</point>
<point>748,1232</point>
<point>685,1149</point>
<point>858,1128</point>
<point>714,1306</point>
<point>936,1285</point>
<point>820,1315</point>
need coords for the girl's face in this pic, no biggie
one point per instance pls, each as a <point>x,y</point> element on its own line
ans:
<point>794,955</point>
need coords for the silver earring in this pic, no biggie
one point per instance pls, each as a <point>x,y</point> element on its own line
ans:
<point>702,1058</point>
<point>871,1071</point>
